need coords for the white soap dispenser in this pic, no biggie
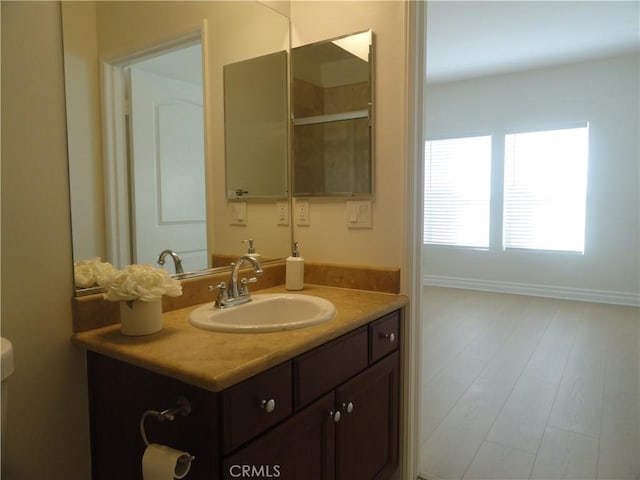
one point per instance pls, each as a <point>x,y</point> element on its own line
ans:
<point>251,251</point>
<point>295,270</point>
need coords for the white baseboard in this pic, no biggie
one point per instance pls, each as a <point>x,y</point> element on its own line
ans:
<point>567,293</point>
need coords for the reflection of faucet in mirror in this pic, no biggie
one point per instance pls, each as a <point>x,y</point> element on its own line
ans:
<point>177,261</point>
<point>237,295</point>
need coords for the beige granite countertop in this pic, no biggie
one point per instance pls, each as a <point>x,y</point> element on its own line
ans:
<point>215,360</point>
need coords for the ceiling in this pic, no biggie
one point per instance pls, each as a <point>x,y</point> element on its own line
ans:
<point>468,39</point>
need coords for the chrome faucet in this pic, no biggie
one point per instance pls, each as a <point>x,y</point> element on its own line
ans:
<point>234,294</point>
<point>177,261</point>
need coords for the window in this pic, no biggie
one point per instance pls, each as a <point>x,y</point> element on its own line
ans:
<point>457,191</point>
<point>545,188</point>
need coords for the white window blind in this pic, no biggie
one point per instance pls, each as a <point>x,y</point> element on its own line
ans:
<point>457,191</point>
<point>545,188</point>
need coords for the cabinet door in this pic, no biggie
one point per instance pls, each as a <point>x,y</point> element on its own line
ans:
<point>367,434</point>
<point>301,448</point>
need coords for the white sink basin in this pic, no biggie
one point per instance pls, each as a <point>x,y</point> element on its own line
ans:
<point>265,313</point>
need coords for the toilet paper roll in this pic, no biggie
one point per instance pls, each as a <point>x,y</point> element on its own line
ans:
<point>160,462</point>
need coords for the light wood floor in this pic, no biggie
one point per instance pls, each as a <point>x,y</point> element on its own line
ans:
<point>518,387</point>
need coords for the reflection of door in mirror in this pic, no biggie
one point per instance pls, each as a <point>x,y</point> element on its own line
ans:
<point>167,160</point>
<point>156,158</point>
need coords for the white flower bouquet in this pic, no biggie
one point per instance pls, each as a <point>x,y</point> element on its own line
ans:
<point>92,272</point>
<point>140,282</point>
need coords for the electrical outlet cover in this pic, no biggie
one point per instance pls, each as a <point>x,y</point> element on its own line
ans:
<point>302,213</point>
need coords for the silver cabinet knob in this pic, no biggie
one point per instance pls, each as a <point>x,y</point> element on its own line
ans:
<point>390,336</point>
<point>336,416</point>
<point>347,407</point>
<point>268,405</point>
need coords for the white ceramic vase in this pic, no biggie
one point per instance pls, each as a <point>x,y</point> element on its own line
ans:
<point>140,318</point>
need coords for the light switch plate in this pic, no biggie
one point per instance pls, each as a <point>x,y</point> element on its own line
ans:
<point>237,213</point>
<point>282,212</point>
<point>359,214</point>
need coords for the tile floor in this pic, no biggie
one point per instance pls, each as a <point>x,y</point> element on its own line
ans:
<point>518,387</point>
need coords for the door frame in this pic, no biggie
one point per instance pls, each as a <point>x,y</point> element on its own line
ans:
<point>415,23</point>
<point>115,134</point>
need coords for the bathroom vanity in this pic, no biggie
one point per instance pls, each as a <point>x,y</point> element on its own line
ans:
<point>321,402</point>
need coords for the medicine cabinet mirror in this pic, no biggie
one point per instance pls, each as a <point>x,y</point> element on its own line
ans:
<point>332,106</point>
<point>255,127</point>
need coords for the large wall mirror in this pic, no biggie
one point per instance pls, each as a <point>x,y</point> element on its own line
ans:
<point>146,134</point>
<point>332,107</point>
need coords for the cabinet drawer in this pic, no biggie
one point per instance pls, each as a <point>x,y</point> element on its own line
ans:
<point>322,369</point>
<point>384,336</point>
<point>256,404</point>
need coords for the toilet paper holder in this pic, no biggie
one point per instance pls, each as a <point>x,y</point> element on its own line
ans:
<point>183,408</point>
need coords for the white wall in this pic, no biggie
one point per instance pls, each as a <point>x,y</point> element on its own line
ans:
<point>606,94</point>
<point>328,238</point>
<point>48,429</point>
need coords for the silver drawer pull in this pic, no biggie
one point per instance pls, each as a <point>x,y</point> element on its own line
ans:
<point>390,336</point>
<point>336,416</point>
<point>347,407</point>
<point>268,405</point>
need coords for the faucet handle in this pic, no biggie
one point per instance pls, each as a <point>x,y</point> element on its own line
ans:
<point>244,289</point>
<point>220,286</point>
<point>222,293</point>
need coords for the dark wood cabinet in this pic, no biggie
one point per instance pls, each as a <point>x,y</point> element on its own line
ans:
<point>329,414</point>
<point>119,393</point>
<point>367,433</point>
<point>302,447</point>
<point>318,443</point>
